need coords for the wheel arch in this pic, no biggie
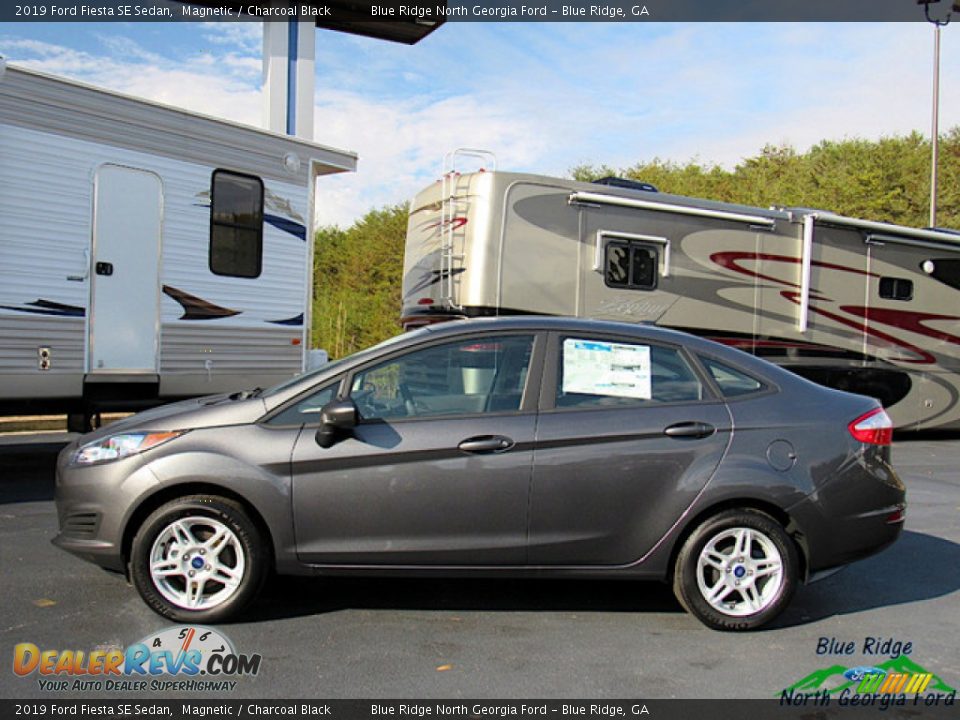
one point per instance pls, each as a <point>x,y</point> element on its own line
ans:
<point>766,507</point>
<point>171,492</point>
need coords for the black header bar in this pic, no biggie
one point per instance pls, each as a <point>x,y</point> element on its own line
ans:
<point>429,13</point>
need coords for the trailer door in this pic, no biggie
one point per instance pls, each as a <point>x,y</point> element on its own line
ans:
<point>124,305</point>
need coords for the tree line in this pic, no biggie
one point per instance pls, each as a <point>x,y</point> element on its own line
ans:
<point>358,270</point>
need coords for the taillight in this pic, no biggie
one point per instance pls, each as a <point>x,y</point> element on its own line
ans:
<point>873,428</point>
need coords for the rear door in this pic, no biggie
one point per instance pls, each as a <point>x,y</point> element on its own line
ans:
<point>628,435</point>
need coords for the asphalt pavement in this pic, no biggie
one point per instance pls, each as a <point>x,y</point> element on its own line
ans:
<point>322,638</point>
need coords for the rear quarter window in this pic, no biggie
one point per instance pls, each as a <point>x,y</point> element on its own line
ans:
<point>732,382</point>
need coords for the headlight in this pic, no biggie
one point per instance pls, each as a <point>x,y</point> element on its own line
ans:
<point>120,446</point>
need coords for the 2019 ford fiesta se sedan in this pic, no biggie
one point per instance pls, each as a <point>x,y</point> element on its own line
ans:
<point>523,446</point>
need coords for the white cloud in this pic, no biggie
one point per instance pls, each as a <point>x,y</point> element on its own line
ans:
<point>248,36</point>
<point>563,95</point>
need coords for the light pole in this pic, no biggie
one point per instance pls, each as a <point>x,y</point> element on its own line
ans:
<point>935,123</point>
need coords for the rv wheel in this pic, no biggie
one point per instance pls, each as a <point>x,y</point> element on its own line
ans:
<point>80,422</point>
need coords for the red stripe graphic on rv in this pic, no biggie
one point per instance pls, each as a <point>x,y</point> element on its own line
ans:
<point>453,223</point>
<point>730,260</point>
<point>910,321</point>
<point>922,356</point>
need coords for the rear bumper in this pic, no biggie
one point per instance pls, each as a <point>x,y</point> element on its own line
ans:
<point>857,513</point>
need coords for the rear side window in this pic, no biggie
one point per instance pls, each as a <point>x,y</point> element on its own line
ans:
<point>236,224</point>
<point>732,383</point>
<point>599,373</point>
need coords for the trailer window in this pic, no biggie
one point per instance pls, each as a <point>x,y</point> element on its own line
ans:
<point>892,288</point>
<point>236,224</point>
<point>630,265</point>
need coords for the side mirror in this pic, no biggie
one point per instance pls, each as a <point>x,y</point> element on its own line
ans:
<point>336,418</point>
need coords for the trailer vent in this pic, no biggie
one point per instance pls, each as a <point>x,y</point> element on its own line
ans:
<point>81,524</point>
<point>626,184</point>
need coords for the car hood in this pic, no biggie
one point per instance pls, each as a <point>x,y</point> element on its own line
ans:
<point>204,412</point>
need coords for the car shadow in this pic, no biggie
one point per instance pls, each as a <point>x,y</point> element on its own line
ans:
<point>286,597</point>
<point>27,473</point>
<point>915,568</point>
<point>912,570</point>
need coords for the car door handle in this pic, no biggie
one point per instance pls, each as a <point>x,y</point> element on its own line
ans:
<point>690,430</point>
<point>486,444</point>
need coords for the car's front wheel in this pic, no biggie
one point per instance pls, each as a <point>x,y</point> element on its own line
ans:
<point>198,558</point>
<point>736,571</point>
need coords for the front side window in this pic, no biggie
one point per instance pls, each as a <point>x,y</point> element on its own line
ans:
<point>236,224</point>
<point>307,410</point>
<point>601,373</point>
<point>631,266</point>
<point>478,375</point>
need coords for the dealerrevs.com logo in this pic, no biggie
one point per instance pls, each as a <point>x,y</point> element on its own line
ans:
<point>182,658</point>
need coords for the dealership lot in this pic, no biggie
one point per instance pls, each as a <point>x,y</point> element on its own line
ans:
<point>488,638</point>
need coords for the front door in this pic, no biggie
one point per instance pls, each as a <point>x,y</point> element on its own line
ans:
<point>125,300</point>
<point>438,470</point>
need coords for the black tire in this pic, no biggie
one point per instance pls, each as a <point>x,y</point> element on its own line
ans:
<point>769,593</point>
<point>249,549</point>
<point>81,422</point>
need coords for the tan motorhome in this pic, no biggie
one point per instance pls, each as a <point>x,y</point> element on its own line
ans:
<point>869,307</point>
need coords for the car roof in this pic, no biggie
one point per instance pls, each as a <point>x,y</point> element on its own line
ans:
<point>534,323</point>
<point>550,322</point>
<point>644,331</point>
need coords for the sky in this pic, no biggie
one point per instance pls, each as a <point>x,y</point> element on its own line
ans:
<point>543,97</point>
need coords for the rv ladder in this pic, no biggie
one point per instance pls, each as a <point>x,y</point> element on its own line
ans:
<point>454,205</point>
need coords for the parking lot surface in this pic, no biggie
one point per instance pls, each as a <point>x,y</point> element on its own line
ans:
<point>496,638</point>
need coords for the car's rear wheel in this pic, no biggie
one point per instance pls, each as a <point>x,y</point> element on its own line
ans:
<point>736,571</point>
<point>198,559</point>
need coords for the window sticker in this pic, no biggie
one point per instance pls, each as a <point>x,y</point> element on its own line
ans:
<point>594,367</point>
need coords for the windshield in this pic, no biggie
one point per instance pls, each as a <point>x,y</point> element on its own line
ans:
<point>332,366</point>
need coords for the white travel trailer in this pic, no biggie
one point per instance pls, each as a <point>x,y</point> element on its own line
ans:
<point>864,306</point>
<point>146,253</point>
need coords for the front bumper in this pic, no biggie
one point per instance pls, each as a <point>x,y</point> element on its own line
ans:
<point>93,503</point>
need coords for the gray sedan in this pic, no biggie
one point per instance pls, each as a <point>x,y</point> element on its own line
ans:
<point>522,446</point>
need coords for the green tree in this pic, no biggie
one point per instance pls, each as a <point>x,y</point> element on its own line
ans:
<point>357,277</point>
<point>357,271</point>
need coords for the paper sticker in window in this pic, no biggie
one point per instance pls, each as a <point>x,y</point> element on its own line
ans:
<point>592,367</point>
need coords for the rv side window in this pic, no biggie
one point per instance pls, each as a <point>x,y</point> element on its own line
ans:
<point>892,288</point>
<point>631,266</point>
<point>236,224</point>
